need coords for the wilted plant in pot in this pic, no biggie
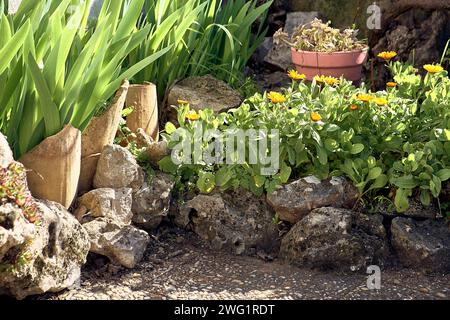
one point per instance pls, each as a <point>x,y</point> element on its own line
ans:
<point>319,49</point>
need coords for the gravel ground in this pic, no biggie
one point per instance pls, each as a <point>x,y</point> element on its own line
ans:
<point>178,266</point>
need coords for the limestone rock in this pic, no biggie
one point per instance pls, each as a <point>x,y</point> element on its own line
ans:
<point>15,230</point>
<point>330,238</point>
<point>44,258</point>
<point>295,200</point>
<point>6,156</point>
<point>123,245</point>
<point>205,92</point>
<point>154,151</point>
<point>236,221</point>
<point>403,28</point>
<point>114,204</point>
<point>117,168</point>
<point>151,203</point>
<point>424,245</point>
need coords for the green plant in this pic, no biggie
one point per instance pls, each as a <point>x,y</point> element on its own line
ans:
<point>4,6</point>
<point>208,36</point>
<point>321,37</point>
<point>446,54</point>
<point>13,189</point>
<point>392,144</point>
<point>64,72</point>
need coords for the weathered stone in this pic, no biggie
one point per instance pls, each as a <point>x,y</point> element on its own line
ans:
<point>299,18</point>
<point>273,81</point>
<point>295,200</point>
<point>403,28</point>
<point>114,204</point>
<point>424,245</point>
<point>151,203</point>
<point>15,230</point>
<point>330,238</point>
<point>263,50</point>
<point>123,245</point>
<point>342,13</point>
<point>236,221</point>
<point>44,258</point>
<point>205,92</point>
<point>6,156</point>
<point>117,168</point>
<point>280,55</point>
<point>154,151</point>
<point>406,37</point>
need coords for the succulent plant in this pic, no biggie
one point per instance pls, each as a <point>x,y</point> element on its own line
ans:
<point>321,37</point>
<point>13,189</point>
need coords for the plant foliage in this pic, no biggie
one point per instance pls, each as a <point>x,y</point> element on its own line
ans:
<point>56,71</point>
<point>394,143</point>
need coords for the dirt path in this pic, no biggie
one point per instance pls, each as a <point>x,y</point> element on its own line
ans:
<point>178,266</point>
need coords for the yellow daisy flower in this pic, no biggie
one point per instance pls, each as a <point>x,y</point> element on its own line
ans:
<point>391,84</point>
<point>193,116</point>
<point>276,97</point>
<point>182,102</point>
<point>433,68</point>
<point>364,97</point>
<point>387,55</point>
<point>294,75</point>
<point>315,117</point>
<point>380,101</point>
<point>331,81</point>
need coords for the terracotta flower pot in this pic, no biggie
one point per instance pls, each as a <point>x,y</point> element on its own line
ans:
<point>336,64</point>
<point>100,133</point>
<point>53,167</point>
<point>144,101</point>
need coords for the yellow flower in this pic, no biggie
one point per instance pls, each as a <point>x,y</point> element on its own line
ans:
<point>433,68</point>
<point>315,116</point>
<point>387,55</point>
<point>380,101</point>
<point>319,79</point>
<point>276,97</point>
<point>364,97</point>
<point>391,84</point>
<point>181,102</point>
<point>193,116</point>
<point>354,107</point>
<point>294,75</point>
<point>331,81</point>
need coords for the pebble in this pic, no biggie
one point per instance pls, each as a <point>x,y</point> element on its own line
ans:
<point>424,290</point>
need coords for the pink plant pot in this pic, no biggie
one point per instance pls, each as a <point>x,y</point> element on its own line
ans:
<point>336,64</point>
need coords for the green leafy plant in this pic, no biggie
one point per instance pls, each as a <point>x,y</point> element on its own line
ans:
<point>321,37</point>
<point>207,36</point>
<point>392,144</point>
<point>446,54</point>
<point>56,71</point>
